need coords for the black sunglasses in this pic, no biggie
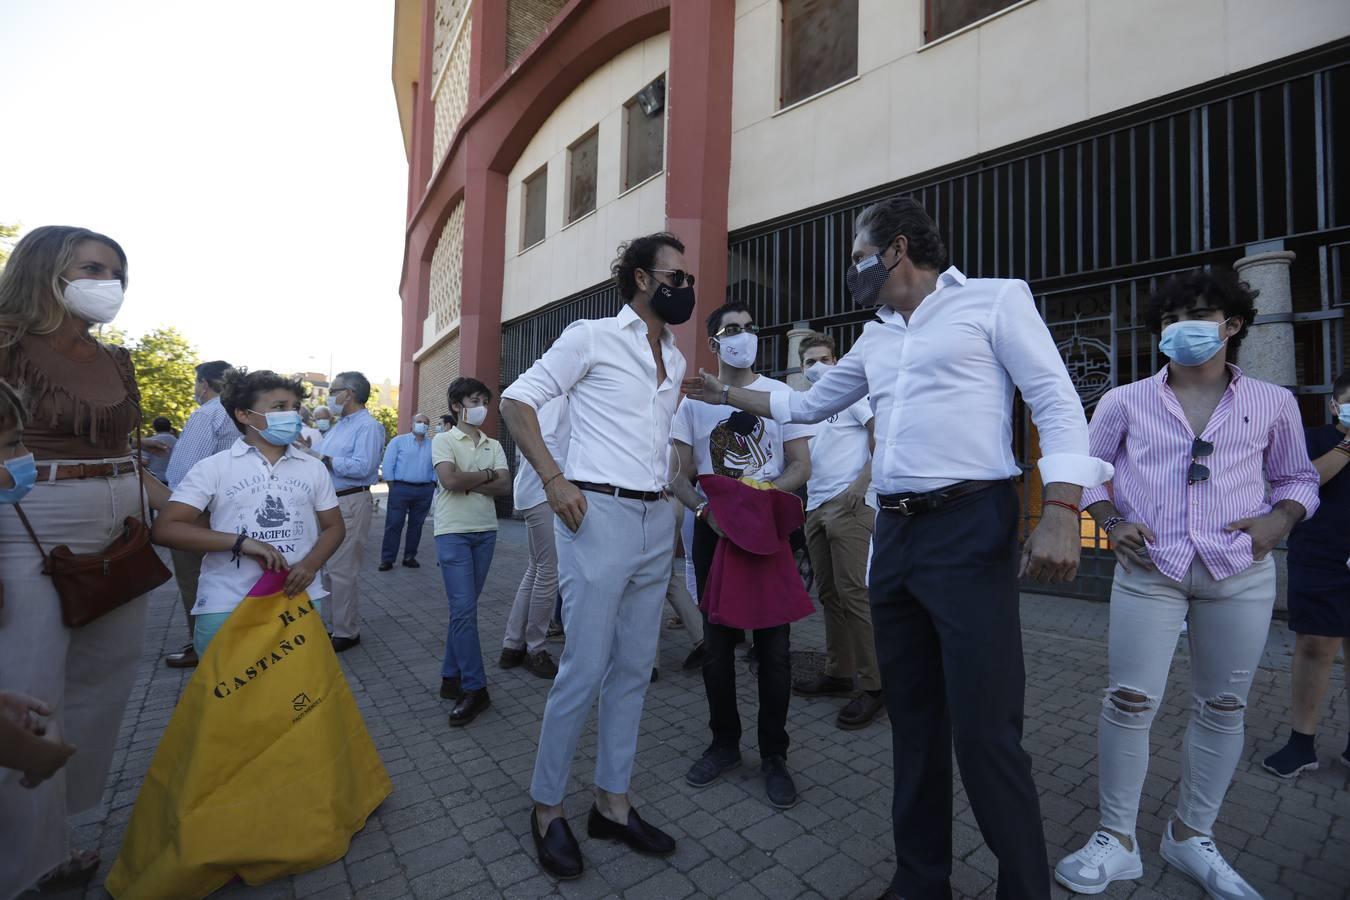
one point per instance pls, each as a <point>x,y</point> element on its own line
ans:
<point>1199,471</point>
<point>678,277</point>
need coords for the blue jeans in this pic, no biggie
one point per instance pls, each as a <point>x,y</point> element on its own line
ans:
<point>406,501</point>
<point>464,560</point>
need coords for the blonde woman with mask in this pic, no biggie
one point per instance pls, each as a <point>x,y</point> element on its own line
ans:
<point>61,282</point>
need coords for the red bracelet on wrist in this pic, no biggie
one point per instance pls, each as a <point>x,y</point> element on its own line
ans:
<point>1069,506</point>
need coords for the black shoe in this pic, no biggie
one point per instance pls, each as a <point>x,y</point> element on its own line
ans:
<point>451,689</point>
<point>890,895</point>
<point>778,783</point>
<point>469,706</point>
<point>695,658</point>
<point>411,564</point>
<point>711,765</point>
<point>541,665</point>
<point>824,686</point>
<point>656,674</point>
<point>637,834</point>
<point>860,711</point>
<point>1289,761</point>
<point>385,567</point>
<point>183,659</point>
<point>559,852</point>
<point>510,658</point>
<point>343,644</point>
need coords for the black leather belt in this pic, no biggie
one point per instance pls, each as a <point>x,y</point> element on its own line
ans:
<point>345,492</point>
<point>912,504</point>
<point>625,493</point>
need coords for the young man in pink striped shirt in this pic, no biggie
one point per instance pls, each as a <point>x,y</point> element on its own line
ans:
<point>1192,521</point>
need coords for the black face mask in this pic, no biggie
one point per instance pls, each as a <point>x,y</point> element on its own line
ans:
<point>673,304</point>
<point>865,279</point>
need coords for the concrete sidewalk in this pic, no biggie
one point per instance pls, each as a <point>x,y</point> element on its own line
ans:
<point>457,823</point>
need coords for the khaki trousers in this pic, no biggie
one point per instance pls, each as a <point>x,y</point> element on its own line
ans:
<point>85,674</point>
<point>344,566</point>
<point>837,538</point>
<point>187,569</point>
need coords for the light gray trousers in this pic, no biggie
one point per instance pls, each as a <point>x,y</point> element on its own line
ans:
<point>614,572</point>
<point>527,624</point>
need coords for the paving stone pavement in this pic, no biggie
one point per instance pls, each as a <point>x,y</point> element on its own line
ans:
<point>457,822</point>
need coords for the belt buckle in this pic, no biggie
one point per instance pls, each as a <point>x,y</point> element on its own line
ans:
<point>81,474</point>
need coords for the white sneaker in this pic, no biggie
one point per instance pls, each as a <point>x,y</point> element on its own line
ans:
<point>1102,860</point>
<point>1200,859</point>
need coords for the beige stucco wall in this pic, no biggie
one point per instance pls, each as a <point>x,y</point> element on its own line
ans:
<point>1041,66</point>
<point>435,371</point>
<point>577,256</point>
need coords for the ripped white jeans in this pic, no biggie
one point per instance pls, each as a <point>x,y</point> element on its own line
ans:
<point>1229,621</point>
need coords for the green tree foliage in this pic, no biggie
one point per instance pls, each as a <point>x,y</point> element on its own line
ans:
<point>165,371</point>
<point>7,235</point>
<point>388,417</point>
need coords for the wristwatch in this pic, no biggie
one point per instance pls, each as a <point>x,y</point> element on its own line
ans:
<point>700,510</point>
<point>726,392</point>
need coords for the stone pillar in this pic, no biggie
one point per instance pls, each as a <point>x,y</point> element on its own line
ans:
<point>797,381</point>
<point>1268,350</point>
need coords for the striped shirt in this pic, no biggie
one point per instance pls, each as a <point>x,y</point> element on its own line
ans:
<point>1257,435</point>
<point>209,430</point>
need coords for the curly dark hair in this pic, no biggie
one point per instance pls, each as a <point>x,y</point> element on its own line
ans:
<point>242,387</point>
<point>884,220</point>
<point>1218,288</point>
<point>639,253</point>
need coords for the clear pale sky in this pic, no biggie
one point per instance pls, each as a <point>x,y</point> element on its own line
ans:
<point>247,156</point>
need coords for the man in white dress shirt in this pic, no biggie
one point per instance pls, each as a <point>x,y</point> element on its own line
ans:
<point>941,367</point>
<point>615,535</point>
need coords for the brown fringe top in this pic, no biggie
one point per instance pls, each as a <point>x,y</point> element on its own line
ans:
<point>77,409</point>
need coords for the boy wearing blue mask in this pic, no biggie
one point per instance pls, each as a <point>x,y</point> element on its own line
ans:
<point>264,497</point>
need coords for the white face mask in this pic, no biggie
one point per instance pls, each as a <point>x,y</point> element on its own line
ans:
<point>94,301</point>
<point>738,350</point>
<point>817,371</point>
<point>474,415</point>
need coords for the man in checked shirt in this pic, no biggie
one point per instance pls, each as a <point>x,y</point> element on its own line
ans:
<point>1192,523</point>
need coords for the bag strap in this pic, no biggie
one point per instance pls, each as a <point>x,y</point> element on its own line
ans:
<point>29,528</point>
<point>140,462</point>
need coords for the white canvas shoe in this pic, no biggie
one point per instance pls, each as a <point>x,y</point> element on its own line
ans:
<point>1102,860</point>
<point>1199,858</point>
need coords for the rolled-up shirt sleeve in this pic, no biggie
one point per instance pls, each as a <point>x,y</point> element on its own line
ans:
<point>1022,343</point>
<point>1288,468</point>
<point>1106,441</point>
<point>553,374</point>
<point>842,386</point>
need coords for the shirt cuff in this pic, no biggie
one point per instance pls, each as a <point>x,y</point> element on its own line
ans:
<point>1094,495</point>
<point>1303,494</point>
<point>520,393</point>
<point>1074,468</point>
<point>780,406</point>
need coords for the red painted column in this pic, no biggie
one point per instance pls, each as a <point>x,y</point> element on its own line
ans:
<point>698,155</point>
<point>480,328</point>
<point>487,52</point>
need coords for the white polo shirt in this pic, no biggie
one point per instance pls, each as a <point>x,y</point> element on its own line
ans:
<point>274,504</point>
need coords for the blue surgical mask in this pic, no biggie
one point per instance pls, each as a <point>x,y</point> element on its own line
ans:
<point>23,469</point>
<point>282,427</point>
<point>419,428</point>
<point>1192,343</point>
<point>334,407</point>
<point>323,424</point>
<point>1343,416</point>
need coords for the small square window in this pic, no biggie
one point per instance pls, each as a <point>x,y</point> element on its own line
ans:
<point>942,17</point>
<point>535,203</point>
<point>820,47</point>
<point>582,160</point>
<point>644,129</point>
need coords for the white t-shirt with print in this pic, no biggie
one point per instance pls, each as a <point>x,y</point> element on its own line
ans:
<point>838,452</point>
<point>727,441</point>
<point>277,505</point>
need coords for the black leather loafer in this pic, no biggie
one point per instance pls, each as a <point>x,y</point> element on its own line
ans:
<point>559,852</point>
<point>637,834</point>
<point>343,644</point>
<point>469,706</point>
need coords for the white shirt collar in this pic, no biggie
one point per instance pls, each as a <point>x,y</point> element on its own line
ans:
<point>628,316</point>
<point>952,276</point>
<point>242,447</point>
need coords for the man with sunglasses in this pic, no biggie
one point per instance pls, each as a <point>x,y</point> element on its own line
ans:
<point>712,440</point>
<point>1192,522</point>
<point>940,366</point>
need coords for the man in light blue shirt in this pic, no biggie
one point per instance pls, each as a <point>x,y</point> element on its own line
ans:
<point>412,482</point>
<point>351,451</point>
<point>208,431</point>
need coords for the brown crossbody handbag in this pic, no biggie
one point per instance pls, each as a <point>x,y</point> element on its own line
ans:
<point>92,585</point>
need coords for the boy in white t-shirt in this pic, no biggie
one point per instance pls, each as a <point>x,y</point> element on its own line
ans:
<point>272,506</point>
<point>717,440</point>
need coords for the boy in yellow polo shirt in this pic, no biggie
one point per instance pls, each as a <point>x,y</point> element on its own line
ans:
<point>471,470</point>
